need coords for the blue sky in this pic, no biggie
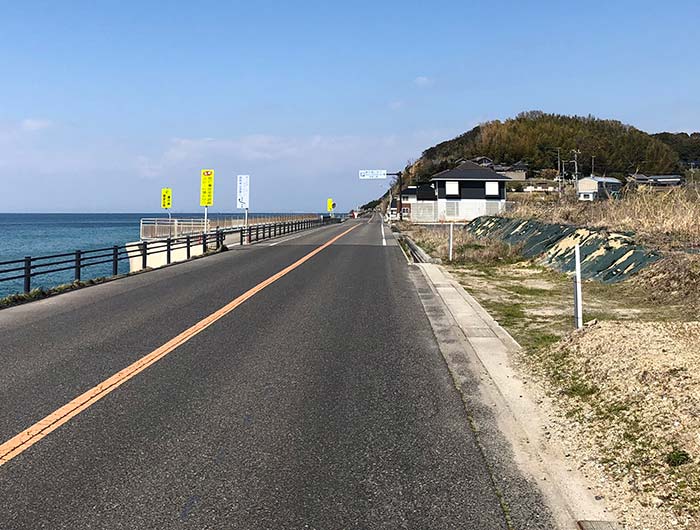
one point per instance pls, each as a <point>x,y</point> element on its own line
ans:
<point>102,103</point>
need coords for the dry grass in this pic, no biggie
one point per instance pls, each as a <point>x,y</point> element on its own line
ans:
<point>623,395</point>
<point>627,396</point>
<point>662,220</point>
<point>466,247</point>
<point>673,280</point>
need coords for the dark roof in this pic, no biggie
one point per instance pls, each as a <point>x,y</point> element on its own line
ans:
<point>425,192</point>
<point>520,165</point>
<point>411,190</point>
<point>659,180</point>
<point>469,171</point>
<point>481,159</point>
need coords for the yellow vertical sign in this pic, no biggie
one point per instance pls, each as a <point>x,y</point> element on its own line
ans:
<point>206,191</point>
<point>330,205</point>
<point>166,198</point>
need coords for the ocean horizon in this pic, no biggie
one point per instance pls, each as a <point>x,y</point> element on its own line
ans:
<point>43,234</point>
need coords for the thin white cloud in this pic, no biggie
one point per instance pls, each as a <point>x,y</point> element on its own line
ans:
<point>289,172</point>
<point>396,105</point>
<point>34,124</point>
<point>423,81</point>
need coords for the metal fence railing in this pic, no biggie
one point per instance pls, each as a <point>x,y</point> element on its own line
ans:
<point>109,261</point>
<point>159,227</point>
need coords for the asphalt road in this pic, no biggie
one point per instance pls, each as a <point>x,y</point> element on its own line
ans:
<point>322,402</point>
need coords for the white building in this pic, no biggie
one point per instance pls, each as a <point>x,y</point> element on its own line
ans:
<point>460,194</point>
<point>469,191</point>
<point>593,188</point>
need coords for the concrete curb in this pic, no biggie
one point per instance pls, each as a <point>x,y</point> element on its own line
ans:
<point>486,350</point>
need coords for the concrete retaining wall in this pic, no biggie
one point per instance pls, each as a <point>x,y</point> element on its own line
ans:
<point>160,259</point>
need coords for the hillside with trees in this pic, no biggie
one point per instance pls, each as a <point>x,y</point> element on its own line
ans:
<point>533,137</point>
<point>686,145</point>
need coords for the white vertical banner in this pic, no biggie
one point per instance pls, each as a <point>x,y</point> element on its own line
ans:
<point>243,196</point>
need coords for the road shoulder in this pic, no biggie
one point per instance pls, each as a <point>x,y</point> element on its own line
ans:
<point>509,422</point>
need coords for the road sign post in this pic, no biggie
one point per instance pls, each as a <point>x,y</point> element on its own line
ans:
<point>166,202</point>
<point>381,174</point>
<point>206,193</point>
<point>373,174</point>
<point>330,206</point>
<point>243,195</point>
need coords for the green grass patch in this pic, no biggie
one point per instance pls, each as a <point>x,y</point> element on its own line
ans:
<point>527,291</point>
<point>677,457</point>
<point>542,340</point>
<point>506,314</point>
<point>580,389</point>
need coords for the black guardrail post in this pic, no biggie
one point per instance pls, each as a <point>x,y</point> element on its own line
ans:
<point>204,243</point>
<point>241,233</point>
<point>115,260</point>
<point>27,274</point>
<point>78,264</point>
<point>144,255</point>
<point>168,248</point>
<point>188,242</point>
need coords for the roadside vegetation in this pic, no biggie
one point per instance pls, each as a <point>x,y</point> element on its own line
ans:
<point>624,392</point>
<point>661,220</point>
<point>533,137</point>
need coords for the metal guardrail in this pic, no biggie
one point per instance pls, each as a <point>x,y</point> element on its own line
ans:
<point>418,254</point>
<point>78,261</point>
<point>160,227</point>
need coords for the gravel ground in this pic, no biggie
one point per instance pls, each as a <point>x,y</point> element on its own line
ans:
<point>626,403</point>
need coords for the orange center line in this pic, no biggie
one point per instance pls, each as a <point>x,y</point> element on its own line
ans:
<point>24,440</point>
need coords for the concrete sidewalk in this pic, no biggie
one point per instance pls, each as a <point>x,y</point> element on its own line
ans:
<point>476,346</point>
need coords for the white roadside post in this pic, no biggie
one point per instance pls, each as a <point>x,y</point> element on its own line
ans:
<point>578,301</point>
<point>243,196</point>
<point>452,225</point>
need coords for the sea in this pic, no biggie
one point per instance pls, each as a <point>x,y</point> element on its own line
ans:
<point>36,235</point>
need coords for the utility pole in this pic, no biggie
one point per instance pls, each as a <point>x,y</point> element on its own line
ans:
<point>398,197</point>
<point>560,171</point>
<point>576,152</point>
